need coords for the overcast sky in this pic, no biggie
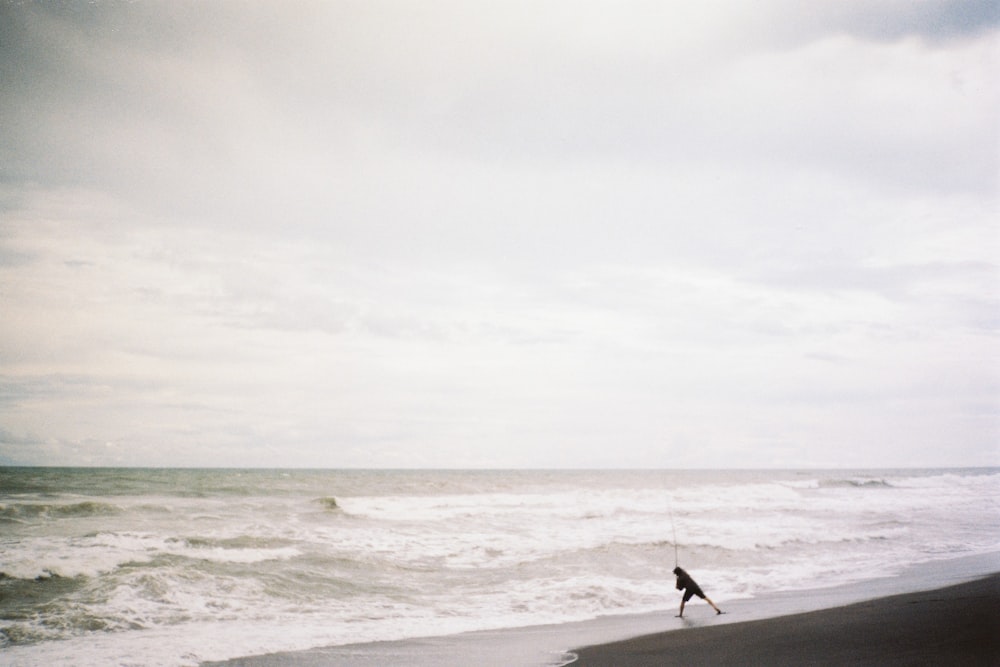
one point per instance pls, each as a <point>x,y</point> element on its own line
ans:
<point>500,234</point>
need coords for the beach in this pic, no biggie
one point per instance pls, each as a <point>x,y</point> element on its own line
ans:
<point>954,625</point>
<point>944,612</point>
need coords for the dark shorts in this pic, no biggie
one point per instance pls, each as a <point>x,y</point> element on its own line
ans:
<point>693,590</point>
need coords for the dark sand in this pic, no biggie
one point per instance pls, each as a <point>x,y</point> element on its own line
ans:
<point>957,625</point>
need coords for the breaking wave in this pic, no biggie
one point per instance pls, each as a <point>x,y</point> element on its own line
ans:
<point>19,512</point>
<point>855,483</point>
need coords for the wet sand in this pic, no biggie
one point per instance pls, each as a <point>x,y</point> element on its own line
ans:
<point>956,625</point>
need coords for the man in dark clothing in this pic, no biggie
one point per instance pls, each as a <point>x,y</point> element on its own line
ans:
<point>690,588</point>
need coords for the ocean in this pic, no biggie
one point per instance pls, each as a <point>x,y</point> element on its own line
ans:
<point>179,566</point>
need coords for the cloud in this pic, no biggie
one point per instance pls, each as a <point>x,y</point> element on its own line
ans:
<point>202,119</point>
<point>442,234</point>
<point>885,20</point>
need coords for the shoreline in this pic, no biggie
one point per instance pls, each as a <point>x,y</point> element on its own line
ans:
<point>553,645</point>
<point>953,625</point>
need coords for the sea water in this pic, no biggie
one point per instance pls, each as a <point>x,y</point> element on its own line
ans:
<point>174,567</point>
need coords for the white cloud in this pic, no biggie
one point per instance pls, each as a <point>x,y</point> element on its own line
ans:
<point>513,235</point>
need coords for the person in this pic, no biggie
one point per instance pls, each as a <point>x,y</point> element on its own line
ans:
<point>690,588</point>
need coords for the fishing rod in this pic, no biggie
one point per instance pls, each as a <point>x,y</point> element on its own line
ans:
<point>673,528</point>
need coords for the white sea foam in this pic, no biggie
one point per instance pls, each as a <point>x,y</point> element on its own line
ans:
<point>95,555</point>
<point>41,557</point>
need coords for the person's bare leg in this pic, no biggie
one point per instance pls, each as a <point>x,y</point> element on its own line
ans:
<point>680,614</point>
<point>717,610</point>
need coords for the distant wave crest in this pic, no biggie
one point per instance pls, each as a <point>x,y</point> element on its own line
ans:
<point>329,503</point>
<point>856,483</point>
<point>19,512</point>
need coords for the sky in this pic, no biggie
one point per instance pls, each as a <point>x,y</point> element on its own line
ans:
<point>469,234</point>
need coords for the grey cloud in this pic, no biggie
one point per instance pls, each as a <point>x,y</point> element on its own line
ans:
<point>898,281</point>
<point>107,95</point>
<point>931,19</point>
<point>215,109</point>
<point>18,390</point>
<point>935,21</point>
<point>948,295</point>
<point>399,226</point>
<point>10,257</point>
<point>286,314</point>
<point>9,437</point>
<point>22,448</point>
